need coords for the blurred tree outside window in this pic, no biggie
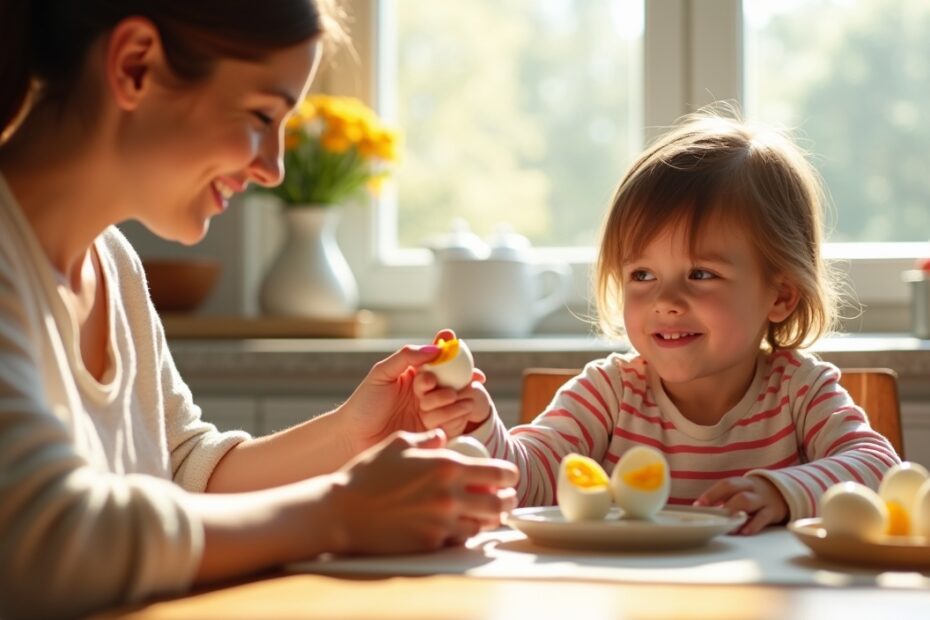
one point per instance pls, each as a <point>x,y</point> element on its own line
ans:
<point>518,111</point>
<point>852,79</point>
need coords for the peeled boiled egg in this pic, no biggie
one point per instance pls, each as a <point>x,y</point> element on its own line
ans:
<point>921,524</point>
<point>583,489</point>
<point>469,446</point>
<point>641,482</point>
<point>454,365</point>
<point>898,490</point>
<point>853,509</point>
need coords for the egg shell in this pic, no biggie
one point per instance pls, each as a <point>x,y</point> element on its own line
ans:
<point>639,503</point>
<point>457,372</point>
<point>469,446</point>
<point>921,520</point>
<point>578,503</point>
<point>901,482</point>
<point>853,509</point>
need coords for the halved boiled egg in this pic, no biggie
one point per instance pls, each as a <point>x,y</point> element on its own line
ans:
<point>853,509</point>
<point>583,490</point>
<point>898,490</point>
<point>454,365</point>
<point>640,482</point>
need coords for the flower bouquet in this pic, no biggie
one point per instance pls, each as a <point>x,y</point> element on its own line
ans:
<point>334,148</point>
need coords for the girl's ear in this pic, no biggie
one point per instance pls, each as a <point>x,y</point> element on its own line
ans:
<point>786,299</point>
<point>134,55</point>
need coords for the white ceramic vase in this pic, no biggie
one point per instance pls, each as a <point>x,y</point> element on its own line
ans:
<point>310,276</point>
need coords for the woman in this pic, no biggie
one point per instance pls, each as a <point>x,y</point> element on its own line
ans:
<point>111,486</point>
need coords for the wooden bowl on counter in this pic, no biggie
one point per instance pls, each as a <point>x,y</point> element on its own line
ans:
<point>180,285</point>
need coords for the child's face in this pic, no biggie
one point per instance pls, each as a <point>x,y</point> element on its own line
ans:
<point>702,316</point>
<point>191,147</point>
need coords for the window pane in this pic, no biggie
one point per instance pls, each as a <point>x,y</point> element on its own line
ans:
<point>853,77</point>
<point>514,111</point>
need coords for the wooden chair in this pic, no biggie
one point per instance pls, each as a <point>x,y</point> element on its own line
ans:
<point>873,389</point>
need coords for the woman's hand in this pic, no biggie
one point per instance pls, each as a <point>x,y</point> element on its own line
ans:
<point>403,496</point>
<point>754,495</point>
<point>385,401</point>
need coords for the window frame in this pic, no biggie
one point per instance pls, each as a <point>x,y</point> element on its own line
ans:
<point>692,53</point>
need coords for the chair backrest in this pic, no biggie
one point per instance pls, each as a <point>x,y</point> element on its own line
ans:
<point>873,389</point>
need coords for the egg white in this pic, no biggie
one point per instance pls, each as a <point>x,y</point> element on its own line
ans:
<point>469,446</point>
<point>853,509</point>
<point>579,503</point>
<point>639,503</point>
<point>457,372</point>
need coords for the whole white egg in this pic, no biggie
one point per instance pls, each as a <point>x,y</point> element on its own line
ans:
<point>640,482</point>
<point>469,446</point>
<point>583,490</point>
<point>454,365</point>
<point>853,509</point>
<point>921,525</point>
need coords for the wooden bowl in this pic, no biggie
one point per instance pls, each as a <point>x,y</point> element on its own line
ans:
<point>180,285</point>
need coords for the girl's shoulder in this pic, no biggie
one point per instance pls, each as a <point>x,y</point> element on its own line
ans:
<point>795,368</point>
<point>629,366</point>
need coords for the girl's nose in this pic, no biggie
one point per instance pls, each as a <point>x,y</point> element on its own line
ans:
<point>669,300</point>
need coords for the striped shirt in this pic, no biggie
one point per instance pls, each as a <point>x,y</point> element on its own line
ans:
<point>795,426</point>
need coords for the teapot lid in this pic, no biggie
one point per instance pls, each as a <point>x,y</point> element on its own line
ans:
<point>507,244</point>
<point>459,243</point>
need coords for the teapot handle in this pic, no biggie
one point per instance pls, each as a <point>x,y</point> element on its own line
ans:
<point>555,281</point>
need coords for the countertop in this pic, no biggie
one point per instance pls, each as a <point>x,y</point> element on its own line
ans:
<point>313,366</point>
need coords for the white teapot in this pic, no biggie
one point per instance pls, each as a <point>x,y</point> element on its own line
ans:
<point>496,290</point>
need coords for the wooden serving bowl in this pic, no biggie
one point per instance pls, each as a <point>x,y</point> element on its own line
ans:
<point>180,285</point>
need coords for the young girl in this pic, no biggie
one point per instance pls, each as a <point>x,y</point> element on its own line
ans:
<point>710,263</point>
<point>112,488</point>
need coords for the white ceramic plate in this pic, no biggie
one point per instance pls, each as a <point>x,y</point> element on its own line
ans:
<point>672,528</point>
<point>891,552</point>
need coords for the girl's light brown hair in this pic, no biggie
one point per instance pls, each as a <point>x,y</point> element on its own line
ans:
<point>711,165</point>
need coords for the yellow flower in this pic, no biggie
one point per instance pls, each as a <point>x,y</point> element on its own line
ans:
<point>334,148</point>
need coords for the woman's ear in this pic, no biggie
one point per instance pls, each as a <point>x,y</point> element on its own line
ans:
<point>787,297</point>
<point>134,55</point>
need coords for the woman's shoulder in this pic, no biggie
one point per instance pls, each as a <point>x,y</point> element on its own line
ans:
<point>117,246</point>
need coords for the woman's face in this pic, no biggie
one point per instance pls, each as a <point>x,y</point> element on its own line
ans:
<point>190,148</point>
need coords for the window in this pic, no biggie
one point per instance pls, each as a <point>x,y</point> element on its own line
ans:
<point>528,112</point>
<point>854,78</point>
<point>514,111</point>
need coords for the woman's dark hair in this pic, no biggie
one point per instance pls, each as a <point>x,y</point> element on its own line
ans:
<point>48,40</point>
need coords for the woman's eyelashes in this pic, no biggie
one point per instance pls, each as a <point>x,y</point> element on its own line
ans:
<point>263,117</point>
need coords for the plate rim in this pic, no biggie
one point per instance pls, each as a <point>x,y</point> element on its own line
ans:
<point>887,554</point>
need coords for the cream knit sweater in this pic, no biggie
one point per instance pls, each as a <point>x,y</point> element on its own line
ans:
<point>92,473</point>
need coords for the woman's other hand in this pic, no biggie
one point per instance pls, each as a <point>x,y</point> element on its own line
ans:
<point>403,496</point>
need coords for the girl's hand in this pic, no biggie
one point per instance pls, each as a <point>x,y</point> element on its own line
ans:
<point>402,496</point>
<point>455,412</point>
<point>754,495</point>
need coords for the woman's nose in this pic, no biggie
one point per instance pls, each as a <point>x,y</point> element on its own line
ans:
<point>267,168</point>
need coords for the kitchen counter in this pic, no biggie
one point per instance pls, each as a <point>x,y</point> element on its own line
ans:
<point>309,365</point>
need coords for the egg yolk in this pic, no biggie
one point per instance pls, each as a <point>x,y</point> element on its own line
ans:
<point>448,349</point>
<point>899,523</point>
<point>583,475</point>
<point>647,478</point>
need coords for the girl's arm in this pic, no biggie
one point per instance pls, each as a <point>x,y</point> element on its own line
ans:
<point>836,442</point>
<point>581,419</point>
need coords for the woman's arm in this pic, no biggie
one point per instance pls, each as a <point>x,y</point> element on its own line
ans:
<point>382,404</point>
<point>400,496</point>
